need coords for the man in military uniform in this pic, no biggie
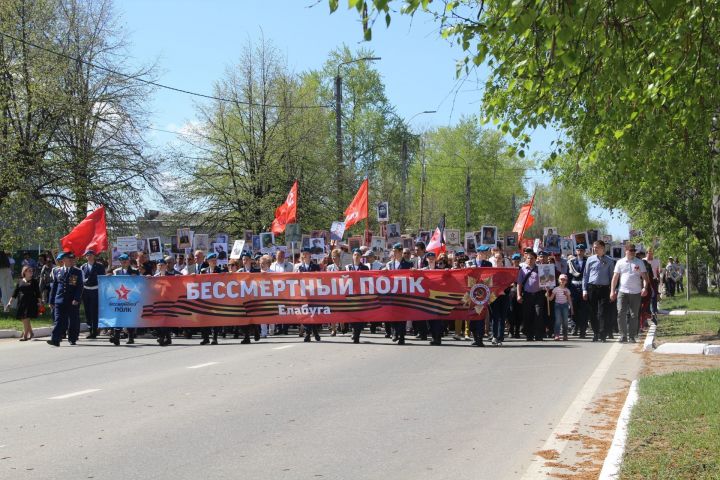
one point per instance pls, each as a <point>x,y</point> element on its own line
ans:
<point>247,261</point>
<point>124,270</point>
<point>91,270</point>
<point>65,295</point>
<point>306,265</point>
<point>398,263</point>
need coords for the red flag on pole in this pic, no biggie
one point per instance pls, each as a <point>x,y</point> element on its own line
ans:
<point>287,212</point>
<point>358,208</point>
<point>90,234</point>
<point>525,219</point>
<point>437,241</point>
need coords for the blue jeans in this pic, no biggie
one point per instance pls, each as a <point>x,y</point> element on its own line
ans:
<point>561,317</point>
<point>498,311</point>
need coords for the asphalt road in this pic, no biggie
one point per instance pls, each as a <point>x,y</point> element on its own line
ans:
<point>284,409</point>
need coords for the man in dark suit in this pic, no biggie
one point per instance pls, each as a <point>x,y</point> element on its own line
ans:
<point>65,295</point>
<point>398,263</point>
<point>576,271</point>
<point>212,267</point>
<point>357,265</point>
<point>91,270</point>
<point>306,265</point>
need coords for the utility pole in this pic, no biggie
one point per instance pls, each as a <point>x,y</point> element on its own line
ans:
<point>338,130</point>
<point>422,187</point>
<point>338,141</point>
<point>467,197</point>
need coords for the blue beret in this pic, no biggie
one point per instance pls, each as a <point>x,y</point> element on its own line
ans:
<point>123,256</point>
<point>211,256</point>
<point>60,256</point>
<point>581,246</point>
<point>516,256</point>
<point>89,252</point>
<point>357,250</point>
<point>483,248</point>
<point>398,246</point>
<point>162,262</point>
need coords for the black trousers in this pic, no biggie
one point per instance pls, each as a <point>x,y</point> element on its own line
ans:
<point>515,314</point>
<point>598,299</point>
<point>118,331</point>
<point>421,328</point>
<point>312,329</point>
<point>437,328</point>
<point>206,333</point>
<point>532,307</point>
<point>90,302</point>
<point>400,329</point>
<point>580,309</point>
<point>357,328</point>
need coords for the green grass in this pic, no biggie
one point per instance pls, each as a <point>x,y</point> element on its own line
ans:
<point>8,322</point>
<point>697,302</point>
<point>672,327</point>
<point>674,430</point>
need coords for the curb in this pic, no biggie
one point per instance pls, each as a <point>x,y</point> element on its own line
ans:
<point>649,344</point>
<point>693,312</point>
<point>613,461</point>
<point>39,331</point>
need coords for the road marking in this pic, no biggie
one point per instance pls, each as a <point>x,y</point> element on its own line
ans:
<point>204,365</point>
<point>75,394</point>
<point>537,468</point>
<point>283,347</point>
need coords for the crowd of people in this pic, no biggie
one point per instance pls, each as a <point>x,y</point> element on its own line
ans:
<point>593,293</point>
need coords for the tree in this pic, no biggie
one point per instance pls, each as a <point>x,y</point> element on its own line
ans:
<point>629,84</point>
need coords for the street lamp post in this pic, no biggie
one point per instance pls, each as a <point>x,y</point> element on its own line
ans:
<point>338,127</point>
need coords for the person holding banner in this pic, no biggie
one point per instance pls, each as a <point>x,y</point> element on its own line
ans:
<point>247,267</point>
<point>90,271</point>
<point>437,327</point>
<point>212,267</point>
<point>65,295</point>
<point>335,265</point>
<point>356,266</point>
<point>125,269</point>
<point>164,333</point>
<point>304,266</point>
<point>281,265</point>
<point>398,262</point>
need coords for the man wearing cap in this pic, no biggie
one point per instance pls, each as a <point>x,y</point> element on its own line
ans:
<point>480,258</point>
<point>531,297</point>
<point>247,262</point>
<point>90,272</point>
<point>212,267</point>
<point>124,269</point>
<point>304,266</point>
<point>65,295</point>
<point>281,265</point>
<point>596,290</point>
<point>576,271</point>
<point>397,263</point>
<point>631,280</point>
<point>163,270</point>
<point>371,261</point>
<point>437,326</point>
<point>356,266</point>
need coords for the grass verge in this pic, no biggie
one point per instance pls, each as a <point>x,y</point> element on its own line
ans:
<point>697,302</point>
<point>674,429</point>
<point>701,327</point>
<point>8,321</point>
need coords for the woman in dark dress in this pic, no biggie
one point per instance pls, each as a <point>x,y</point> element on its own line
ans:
<point>27,293</point>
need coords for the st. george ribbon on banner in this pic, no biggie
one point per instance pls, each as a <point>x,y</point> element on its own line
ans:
<point>317,297</point>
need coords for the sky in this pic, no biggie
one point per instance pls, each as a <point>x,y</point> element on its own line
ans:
<point>193,43</point>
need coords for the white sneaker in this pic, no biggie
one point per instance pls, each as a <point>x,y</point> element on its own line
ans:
<point>494,342</point>
<point>457,337</point>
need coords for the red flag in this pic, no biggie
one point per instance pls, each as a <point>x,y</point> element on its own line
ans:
<point>525,219</point>
<point>90,234</point>
<point>358,208</point>
<point>287,212</point>
<point>437,241</point>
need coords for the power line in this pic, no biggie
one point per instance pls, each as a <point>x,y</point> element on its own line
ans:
<point>152,83</point>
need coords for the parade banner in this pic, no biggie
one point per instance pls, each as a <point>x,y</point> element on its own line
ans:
<point>309,298</point>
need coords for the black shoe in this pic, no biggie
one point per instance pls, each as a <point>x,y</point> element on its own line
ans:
<point>73,342</point>
<point>214,342</point>
<point>91,337</point>
<point>115,341</point>
<point>317,337</point>
<point>480,343</point>
<point>423,337</point>
<point>595,338</point>
<point>205,342</point>
<point>245,340</point>
<point>307,339</point>
<point>583,336</point>
<point>356,340</point>
<point>257,337</point>
<point>130,341</point>
<point>401,341</point>
<point>54,344</point>
<point>395,339</point>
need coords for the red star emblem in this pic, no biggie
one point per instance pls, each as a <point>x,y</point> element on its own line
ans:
<point>122,293</point>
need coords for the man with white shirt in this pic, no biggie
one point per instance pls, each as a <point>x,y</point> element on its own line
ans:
<point>280,265</point>
<point>398,263</point>
<point>371,261</point>
<point>632,280</point>
<point>356,266</point>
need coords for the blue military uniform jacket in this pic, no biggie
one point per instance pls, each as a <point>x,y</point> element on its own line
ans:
<point>90,274</point>
<point>66,286</point>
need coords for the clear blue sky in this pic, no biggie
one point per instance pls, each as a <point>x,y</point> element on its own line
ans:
<point>194,42</point>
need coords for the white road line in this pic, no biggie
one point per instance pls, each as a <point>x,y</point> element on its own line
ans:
<point>75,394</point>
<point>537,468</point>
<point>283,347</point>
<point>204,365</point>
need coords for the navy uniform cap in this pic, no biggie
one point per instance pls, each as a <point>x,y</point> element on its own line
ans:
<point>246,254</point>
<point>211,256</point>
<point>581,246</point>
<point>89,252</point>
<point>68,255</point>
<point>357,250</point>
<point>430,254</point>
